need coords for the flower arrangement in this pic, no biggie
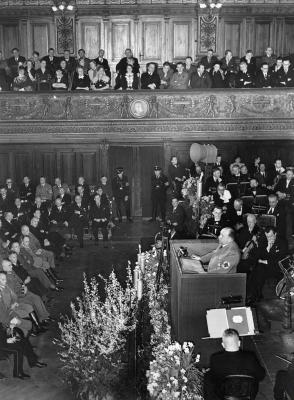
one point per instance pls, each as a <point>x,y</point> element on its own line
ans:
<point>172,373</point>
<point>206,205</point>
<point>93,339</point>
<point>189,188</point>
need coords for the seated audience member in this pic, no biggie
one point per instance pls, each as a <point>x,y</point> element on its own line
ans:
<point>36,60</point>
<point>217,76</point>
<point>244,175</point>
<point>269,58</point>
<point>230,68</point>
<point>59,218</point>
<point>222,197</point>
<point>5,201</point>
<point>57,186</point>
<point>200,79</point>
<point>212,182</point>
<point>100,216</point>
<point>79,219</point>
<point>40,313</point>
<point>221,165</point>
<point>102,81</point>
<point>209,60</point>
<point>15,61</point>
<point>250,61</point>
<point>27,261</point>
<point>214,224</point>
<point>4,73</point>
<point>65,71</point>
<point>20,213</point>
<point>189,67</point>
<point>82,182</point>
<point>247,240</point>
<point>27,191</point>
<point>225,258</point>
<point>237,161</point>
<point>285,192</point>
<point>12,190</point>
<point>180,79</point>
<point>41,206</point>
<point>18,346</point>
<point>254,189</point>
<point>262,176</point>
<point>80,80</point>
<point>65,197</point>
<point>196,171</point>
<point>255,166</point>
<point>93,71</point>
<point>44,191</point>
<point>165,75</point>
<point>231,361</point>
<point>264,77</point>
<point>43,77</point>
<point>236,214</point>
<point>31,72</point>
<point>176,218</point>
<point>276,70</point>
<point>22,82</point>
<point>244,79</point>
<point>83,61</point>
<point>128,81</point>
<point>176,175</point>
<point>234,180</point>
<point>60,81</point>
<point>10,304</point>
<point>70,62</point>
<point>85,197</point>
<point>150,79</point>
<point>9,228</point>
<point>105,185</point>
<point>285,76</point>
<point>103,62</point>
<point>276,171</point>
<point>129,59</point>
<point>52,62</point>
<point>270,251</point>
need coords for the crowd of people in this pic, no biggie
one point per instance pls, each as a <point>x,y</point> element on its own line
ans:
<point>69,73</point>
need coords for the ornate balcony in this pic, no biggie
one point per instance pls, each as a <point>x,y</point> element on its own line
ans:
<point>145,116</point>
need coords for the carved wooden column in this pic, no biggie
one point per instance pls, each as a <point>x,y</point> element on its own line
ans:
<point>207,32</point>
<point>103,157</point>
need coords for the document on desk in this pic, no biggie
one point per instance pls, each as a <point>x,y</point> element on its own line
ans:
<point>191,266</point>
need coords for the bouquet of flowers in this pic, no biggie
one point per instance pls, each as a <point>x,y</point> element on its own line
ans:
<point>206,206</point>
<point>93,339</point>
<point>189,188</point>
<point>172,374</point>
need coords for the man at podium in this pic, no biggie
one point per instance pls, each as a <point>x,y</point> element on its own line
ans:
<point>225,258</point>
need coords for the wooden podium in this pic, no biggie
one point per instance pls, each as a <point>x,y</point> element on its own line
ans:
<point>193,294</point>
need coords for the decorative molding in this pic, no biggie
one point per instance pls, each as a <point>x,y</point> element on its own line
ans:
<point>184,115</point>
<point>65,33</point>
<point>207,32</point>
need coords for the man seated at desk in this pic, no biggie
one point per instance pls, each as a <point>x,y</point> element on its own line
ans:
<point>225,258</point>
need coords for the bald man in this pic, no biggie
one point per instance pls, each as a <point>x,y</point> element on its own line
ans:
<point>225,258</point>
<point>231,361</point>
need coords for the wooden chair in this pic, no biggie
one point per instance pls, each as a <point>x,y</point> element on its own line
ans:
<point>238,387</point>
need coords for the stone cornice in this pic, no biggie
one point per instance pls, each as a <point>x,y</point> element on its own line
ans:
<point>145,116</point>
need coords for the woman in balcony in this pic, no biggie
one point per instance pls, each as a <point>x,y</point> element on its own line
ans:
<point>81,81</point>
<point>102,81</point>
<point>217,76</point>
<point>22,82</point>
<point>60,81</point>
<point>127,81</point>
<point>43,77</point>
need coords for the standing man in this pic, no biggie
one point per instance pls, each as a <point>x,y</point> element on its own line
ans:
<point>159,184</point>
<point>177,175</point>
<point>14,62</point>
<point>79,219</point>
<point>103,62</point>
<point>52,62</point>
<point>129,59</point>
<point>121,193</point>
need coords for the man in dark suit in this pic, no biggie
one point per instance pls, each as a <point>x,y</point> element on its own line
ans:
<point>5,201</point>
<point>150,79</point>
<point>121,193</point>
<point>209,60</point>
<point>102,62</point>
<point>244,79</point>
<point>14,62</point>
<point>262,176</point>
<point>27,191</point>
<point>219,163</point>
<point>236,214</point>
<point>176,219</point>
<point>200,79</point>
<point>285,77</point>
<point>212,182</point>
<point>79,219</point>
<point>285,192</point>
<point>254,189</point>
<point>129,59</point>
<point>270,251</point>
<point>264,77</point>
<point>277,209</point>
<point>52,62</point>
<point>231,361</point>
<point>70,61</point>
<point>159,185</point>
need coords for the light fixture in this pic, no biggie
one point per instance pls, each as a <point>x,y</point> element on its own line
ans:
<point>62,5</point>
<point>202,5</point>
<point>210,4</point>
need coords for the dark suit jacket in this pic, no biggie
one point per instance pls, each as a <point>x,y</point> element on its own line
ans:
<point>103,64</point>
<point>70,64</point>
<point>53,64</point>
<point>281,221</point>
<point>242,77</point>
<point>217,79</point>
<point>264,82</point>
<point>208,63</point>
<point>147,79</point>
<point>178,215</point>
<point>200,82</point>
<point>13,65</point>
<point>285,79</point>
<point>121,67</point>
<point>210,185</point>
<point>251,66</point>
<point>289,191</point>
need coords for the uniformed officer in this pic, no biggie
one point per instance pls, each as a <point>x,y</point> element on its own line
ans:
<point>121,193</point>
<point>159,184</point>
<point>79,219</point>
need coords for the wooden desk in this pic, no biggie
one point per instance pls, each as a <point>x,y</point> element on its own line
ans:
<point>193,294</point>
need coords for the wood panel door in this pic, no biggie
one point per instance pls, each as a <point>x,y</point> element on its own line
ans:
<point>40,38</point>
<point>87,166</point>
<point>4,170</point>
<point>181,45</point>
<point>120,38</point>
<point>23,165</point>
<point>91,38</point>
<point>45,165</point>
<point>67,166</point>
<point>289,38</point>
<point>232,37</point>
<point>152,40</point>
<point>10,38</point>
<point>262,37</point>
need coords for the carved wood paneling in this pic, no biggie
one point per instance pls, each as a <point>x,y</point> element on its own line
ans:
<point>181,39</point>
<point>10,38</point>
<point>91,38</point>
<point>289,37</point>
<point>40,37</point>
<point>232,37</point>
<point>4,162</point>
<point>262,36</point>
<point>66,165</point>
<point>152,40</point>
<point>120,38</point>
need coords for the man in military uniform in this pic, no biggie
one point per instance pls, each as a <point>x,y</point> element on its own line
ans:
<point>79,219</point>
<point>121,193</point>
<point>159,184</point>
